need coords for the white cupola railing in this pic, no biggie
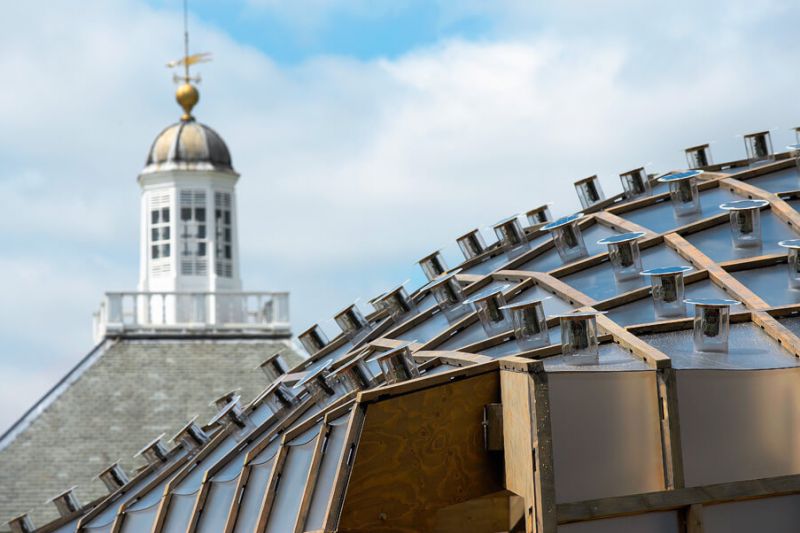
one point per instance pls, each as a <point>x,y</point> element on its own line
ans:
<point>150,312</point>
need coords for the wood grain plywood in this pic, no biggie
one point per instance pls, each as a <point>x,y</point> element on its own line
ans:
<point>421,452</point>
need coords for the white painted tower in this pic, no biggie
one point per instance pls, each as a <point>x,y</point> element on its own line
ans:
<point>188,212</point>
<point>189,278</point>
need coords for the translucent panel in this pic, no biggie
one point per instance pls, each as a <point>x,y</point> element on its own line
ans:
<point>750,348</point>
<point>598,281</point>
<point>327,473</point>
<point>606,434</point>
<point>716,242</point>
<point>782,513</point>
<point>217,506</point>
<point>192,481</point>
<point>426,303</point>
<point>107,515</point>
<point>94,529</point>
<point>550,260</point>
<point>770,283</point>
<point>283,514</point>
<point>69,527</point>
<point>510,347</point>
<point>439,369</point>
<point>254,489</point>
<point>782,180</point>
<point>179,513</point>
<point>490,265</point>
<point>642,311</point>
<point>739,425</point>
<point>260,414</point>
<point>425,331</point>
<point>612,358</point>
<point>553,304</point>
<point>668,522</point>
<point>661,218</point>
<point>469,335</point>
<point>140,521</point>
<point>792,323</point>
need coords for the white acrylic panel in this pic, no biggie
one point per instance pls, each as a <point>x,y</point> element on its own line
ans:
<point>667,522</point>
<point>606,434</point>
<point>768,515</point>
<point>738,425</point>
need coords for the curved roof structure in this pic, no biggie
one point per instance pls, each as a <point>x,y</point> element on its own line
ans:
<point>612,406</point>
<point>188,145</point>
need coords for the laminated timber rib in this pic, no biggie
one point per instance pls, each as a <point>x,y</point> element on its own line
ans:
<point>492,437</point>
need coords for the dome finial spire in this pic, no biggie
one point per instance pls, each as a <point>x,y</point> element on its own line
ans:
<point>187,94</point>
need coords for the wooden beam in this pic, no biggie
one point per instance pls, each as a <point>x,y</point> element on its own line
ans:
<point>336,498</point>
<point>652,356</point>
<point>620,224</point>
<point>554,285</point>
<point>779,207</point>
<point>717,274</point>
<point>694,519</point>
<point>671,448</point>
<point>777,331</point>
<point>678,498</point>
<point>527,441</point>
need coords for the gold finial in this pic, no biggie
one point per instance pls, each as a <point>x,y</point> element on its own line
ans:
<point>187,94</point>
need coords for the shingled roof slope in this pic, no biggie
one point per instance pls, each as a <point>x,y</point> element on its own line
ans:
<point>133,391</point>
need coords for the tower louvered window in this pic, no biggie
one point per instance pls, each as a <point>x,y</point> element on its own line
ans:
<point>224,240</point>
<point>194,253</point>
<point>159,235</point>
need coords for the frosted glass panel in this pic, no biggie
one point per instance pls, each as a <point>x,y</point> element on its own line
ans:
<point>139,521</point>
<point>251,499</point>
<point>179,513</point>
<point>283,515</point>
<point>739,425</point>
<point>217,506</point>
<point>327,474</point>
<point>772,515</point>
<point>648,523</point>
<point>606,434</point>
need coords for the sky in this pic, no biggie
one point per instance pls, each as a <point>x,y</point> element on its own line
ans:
<point>367,133</point>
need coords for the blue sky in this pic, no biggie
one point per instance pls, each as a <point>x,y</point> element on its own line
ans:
<point>358,30</point>
<point>343,117</point>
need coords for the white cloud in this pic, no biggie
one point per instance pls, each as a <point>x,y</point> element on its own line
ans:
<point>351,169</point>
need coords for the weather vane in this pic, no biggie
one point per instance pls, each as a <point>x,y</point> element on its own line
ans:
<point>187,94</point>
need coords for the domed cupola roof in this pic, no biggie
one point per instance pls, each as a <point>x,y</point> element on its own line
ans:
<point>188,145</point>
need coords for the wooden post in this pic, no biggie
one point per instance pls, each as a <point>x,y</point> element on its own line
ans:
<point>527,441</point>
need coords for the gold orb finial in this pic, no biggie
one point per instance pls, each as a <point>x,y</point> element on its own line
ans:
<point>187,96</point>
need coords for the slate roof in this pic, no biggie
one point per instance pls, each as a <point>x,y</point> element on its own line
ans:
<point>131,391</point>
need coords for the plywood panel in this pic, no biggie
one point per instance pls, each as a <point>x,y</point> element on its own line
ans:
<point>420,452</point>
<point>606,434</point>
<point>739,425</point>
